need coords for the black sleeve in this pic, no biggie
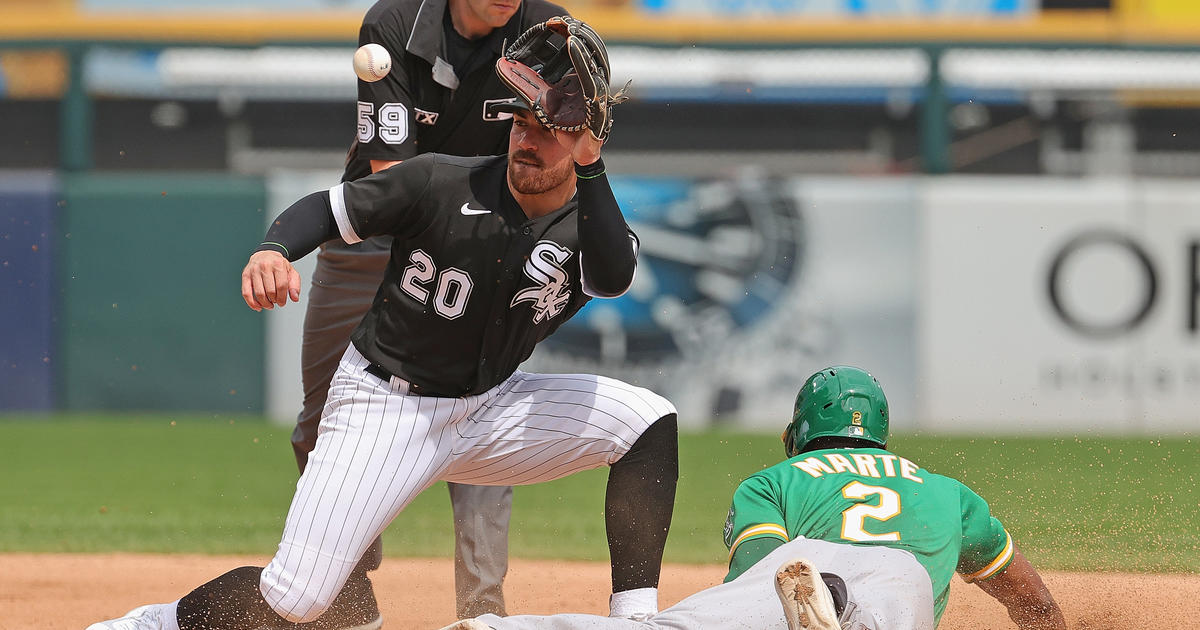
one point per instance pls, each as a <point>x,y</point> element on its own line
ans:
<point>301,228</point>
<point>606,244</point>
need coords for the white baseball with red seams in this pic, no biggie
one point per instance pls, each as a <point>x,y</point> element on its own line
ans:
<point>372,62</point>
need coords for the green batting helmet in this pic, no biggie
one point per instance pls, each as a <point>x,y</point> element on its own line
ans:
<point>840,400</point>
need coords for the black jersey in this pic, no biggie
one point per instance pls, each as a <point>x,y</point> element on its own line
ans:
<point>472,284</point>
<point>426,104</point>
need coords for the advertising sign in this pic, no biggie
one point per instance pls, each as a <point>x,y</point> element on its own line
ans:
<point>745,285</point>
<point>1060,305</point>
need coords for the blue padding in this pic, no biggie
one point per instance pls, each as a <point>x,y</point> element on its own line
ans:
<point>28,204</point>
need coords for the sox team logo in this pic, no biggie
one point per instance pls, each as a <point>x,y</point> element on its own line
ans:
<point>545,267</point>
<point>491,116</point>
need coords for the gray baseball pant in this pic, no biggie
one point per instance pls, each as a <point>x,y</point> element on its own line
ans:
<point>891,590</point>
<point>343,286</point>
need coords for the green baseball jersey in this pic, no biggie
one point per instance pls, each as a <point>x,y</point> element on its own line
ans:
<point>868,496</point>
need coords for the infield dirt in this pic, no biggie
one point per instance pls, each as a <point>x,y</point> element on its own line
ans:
<point>68,592</point>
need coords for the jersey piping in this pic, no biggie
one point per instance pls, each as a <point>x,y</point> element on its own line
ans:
<point>769,530</point>
<point>996,565</point>
<point>337,201</point>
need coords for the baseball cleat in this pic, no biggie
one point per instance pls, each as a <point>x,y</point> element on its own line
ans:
<point>140,618</point>
<point>807,604</point>
<point>468,624</point>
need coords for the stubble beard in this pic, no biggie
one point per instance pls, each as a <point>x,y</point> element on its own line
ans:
<point>529,180</point>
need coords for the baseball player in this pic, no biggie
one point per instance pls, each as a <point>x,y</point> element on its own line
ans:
<point>845,535</point>
<point>434,100</point>
<point>489,256</point>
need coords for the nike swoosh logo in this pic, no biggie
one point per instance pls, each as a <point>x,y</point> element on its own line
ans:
<point>469,211</point>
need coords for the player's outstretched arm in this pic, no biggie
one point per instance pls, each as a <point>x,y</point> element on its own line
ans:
<point>1021,590</point>
<point>269,280</point>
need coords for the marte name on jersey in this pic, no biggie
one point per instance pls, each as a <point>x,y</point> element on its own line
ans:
<point>864,464</point>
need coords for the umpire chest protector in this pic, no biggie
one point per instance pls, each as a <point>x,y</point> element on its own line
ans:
<point>472,284</point>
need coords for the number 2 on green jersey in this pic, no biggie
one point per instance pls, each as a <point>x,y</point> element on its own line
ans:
<point>853,517</point>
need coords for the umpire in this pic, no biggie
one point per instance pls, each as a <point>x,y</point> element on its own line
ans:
<point>435,99</point>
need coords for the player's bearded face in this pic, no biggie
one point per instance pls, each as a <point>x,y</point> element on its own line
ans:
<point>537,161</point>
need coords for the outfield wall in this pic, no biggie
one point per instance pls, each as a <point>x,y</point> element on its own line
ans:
<point>984,305</point>
<point>151,316</point>
<point>940,286</point>
<point>28,217</point>
<point>138,309</point>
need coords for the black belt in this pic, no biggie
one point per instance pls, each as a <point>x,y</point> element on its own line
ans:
<point>381,373</point>
<point>378,372</point>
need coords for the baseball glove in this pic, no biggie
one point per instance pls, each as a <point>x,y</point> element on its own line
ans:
<point>560,69</point>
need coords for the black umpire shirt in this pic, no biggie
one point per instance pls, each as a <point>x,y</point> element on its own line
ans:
<point>436,97</point>
<point>472,284</point>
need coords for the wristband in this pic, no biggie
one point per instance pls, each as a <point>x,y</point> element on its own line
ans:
<point>591,171</point>
<point>268,246</point>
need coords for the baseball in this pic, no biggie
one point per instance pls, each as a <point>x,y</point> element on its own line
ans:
<point>372,62</point>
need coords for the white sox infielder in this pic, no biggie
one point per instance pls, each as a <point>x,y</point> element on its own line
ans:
<point>434,100</point>
<point>489,256</point>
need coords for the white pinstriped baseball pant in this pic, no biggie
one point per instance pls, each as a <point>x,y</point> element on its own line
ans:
<point>378,447</point>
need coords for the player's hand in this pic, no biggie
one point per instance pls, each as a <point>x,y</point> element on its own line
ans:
<point>269,280</point>
<point>585,148</point>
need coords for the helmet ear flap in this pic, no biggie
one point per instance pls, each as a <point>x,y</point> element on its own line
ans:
<point>789,441</point>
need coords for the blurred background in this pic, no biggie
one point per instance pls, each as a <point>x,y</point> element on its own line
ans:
<point>993,205</point>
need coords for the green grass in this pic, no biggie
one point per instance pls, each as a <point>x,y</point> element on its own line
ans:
<point>1083,503</point>
<point>223,484</point>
